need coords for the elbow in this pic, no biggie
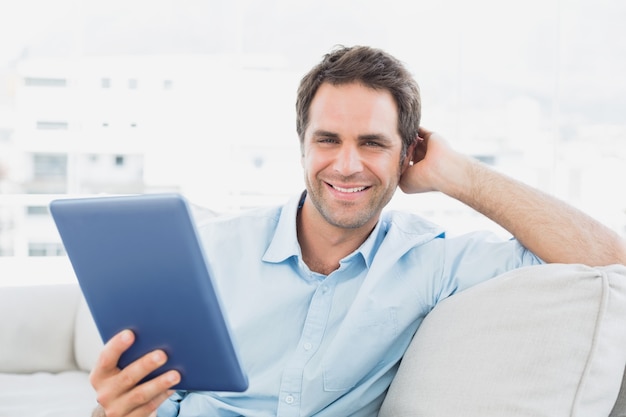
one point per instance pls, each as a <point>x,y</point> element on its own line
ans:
<point>612,254</point>
<point>621,252</point>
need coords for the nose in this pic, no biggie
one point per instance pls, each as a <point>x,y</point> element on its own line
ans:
<point>348,160</point>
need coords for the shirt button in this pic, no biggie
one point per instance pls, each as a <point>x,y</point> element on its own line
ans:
<point>324,289</point>
<point>307,346</point>
<point>289,399</point>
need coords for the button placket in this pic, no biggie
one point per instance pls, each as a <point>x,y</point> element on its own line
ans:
<point>312,333</point>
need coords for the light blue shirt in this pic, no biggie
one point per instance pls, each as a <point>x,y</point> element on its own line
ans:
<point>316,345</point>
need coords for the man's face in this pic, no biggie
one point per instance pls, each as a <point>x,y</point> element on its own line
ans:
<point>351,154</point>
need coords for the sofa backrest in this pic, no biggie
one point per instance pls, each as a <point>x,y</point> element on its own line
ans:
<point>37,328</point>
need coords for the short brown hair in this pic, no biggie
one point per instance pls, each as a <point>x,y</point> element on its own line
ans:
<point>373,68</point>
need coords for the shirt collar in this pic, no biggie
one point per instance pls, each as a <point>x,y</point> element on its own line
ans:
<point>409,229</point>
<point>284,243</point>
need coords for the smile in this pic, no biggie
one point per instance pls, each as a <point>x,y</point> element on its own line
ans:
<point>348,190</point>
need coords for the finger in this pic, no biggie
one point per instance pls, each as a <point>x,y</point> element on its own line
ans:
<point>420,150</point>
<point>136,371</point>
<point>110,355</point>
<point>423,132</point>
<point>147,397</point>
<point>121,395</point>
<point>147,409</point>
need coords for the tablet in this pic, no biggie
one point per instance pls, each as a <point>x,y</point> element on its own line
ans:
<point>140,266</point>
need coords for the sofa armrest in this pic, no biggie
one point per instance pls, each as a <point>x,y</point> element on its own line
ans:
<point>37,328</point>
<point>545,340</point>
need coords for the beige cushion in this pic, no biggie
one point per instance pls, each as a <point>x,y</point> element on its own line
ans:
<point>37,328</point>
<point>87,343</point>
<point>546,340</point>
<point>44,394</point>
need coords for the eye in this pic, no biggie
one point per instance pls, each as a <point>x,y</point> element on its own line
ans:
<point>376,144</point>
<point>375,141</point>
<point>327,140</point>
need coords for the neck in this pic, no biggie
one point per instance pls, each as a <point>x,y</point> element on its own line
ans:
<point>324,245</point>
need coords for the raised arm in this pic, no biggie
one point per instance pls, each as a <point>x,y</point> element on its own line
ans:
<point>553,230</point>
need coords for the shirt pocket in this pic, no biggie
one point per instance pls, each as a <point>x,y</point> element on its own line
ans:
<point>360,348</point>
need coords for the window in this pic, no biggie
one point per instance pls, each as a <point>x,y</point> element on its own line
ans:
<point>37,210</point>
<point>133,83</point>
<point>45,82</point>
<point>45,249</point>
<point>119,160</point>
<point>49,166</point>
<point>6,251</point>
<point>105,83</point>
<point>5,135</point>
<point>42,125</point>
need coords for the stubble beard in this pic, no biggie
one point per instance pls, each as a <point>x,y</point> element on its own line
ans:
<point>351,216</point>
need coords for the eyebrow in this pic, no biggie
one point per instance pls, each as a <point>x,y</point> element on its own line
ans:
<point>365,137</point>
<point>325,133</point>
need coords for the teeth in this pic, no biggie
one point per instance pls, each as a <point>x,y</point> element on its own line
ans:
<point>349,190</point>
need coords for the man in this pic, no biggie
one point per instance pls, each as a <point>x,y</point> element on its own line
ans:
<point>324,293</point>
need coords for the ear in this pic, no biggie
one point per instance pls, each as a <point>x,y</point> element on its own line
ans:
<point>408,158</point>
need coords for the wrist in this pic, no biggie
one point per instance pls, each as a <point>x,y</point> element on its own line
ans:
<point>458,177</point>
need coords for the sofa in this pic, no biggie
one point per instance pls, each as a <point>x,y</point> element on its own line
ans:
<point>546,340</point>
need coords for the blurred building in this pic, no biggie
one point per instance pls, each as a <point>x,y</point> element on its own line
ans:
<point>142,124</point>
